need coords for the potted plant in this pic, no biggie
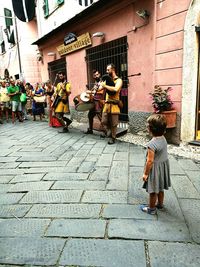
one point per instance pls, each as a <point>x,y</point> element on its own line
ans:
<point>162,103</point>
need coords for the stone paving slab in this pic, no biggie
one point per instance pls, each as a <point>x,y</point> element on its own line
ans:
<point>96,151</point>
<point>194,176</point>
<point>11,198</point>
<point>82,153</point>
<point>119,170</point>
<point>190,208</point>
<point>31,177</point>
<point>184,187</point>
<point>30,250</point>
<point>122,146</point>
<point>149,230</point>
<point>8,159</point>
<point>5,187</point>
<point>104,253</point>
<point>23,227</point>
<point>173,254</point>
<point>172,210</point>
<point>137,159</point>
<point>109,150</point>
<point>4,172</point>
<point>9,165</point>
<point>35,158</point>
<point>136,194</point>
<point>30,186</point>
<point>50,169</point>
<point>75,161</point>
<point>77,228</point>
<point>5,179</point>
<point>188,164</point>
<point>104,197</point>
<point>122,156</point>
<point>84,185</point>
<point>175,168</point>
<point>12,211</point>
<point>65,176</point>
<point>120,184</point>
<point>86,167</point>
<point>53,196</point>
<point>37,154</point>
<point>99,174</point>
<point>105,160</point>
<point>31,149</point>
<point>194,231</point>
<point>43,164</point>
<point>125,211</point>
<point>93,158</point>
<point>65,211</point>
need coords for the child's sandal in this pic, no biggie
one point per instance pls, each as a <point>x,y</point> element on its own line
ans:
<point>148,210</point>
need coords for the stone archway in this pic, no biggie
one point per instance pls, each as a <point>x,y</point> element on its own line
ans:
<point>190,72</point>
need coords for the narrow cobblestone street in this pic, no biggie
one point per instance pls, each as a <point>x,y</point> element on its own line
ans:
<point>73,200</point>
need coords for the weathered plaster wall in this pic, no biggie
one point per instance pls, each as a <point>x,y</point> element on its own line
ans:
<point>190,72</point>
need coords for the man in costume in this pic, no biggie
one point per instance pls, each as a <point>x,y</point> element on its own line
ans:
<point>111,110</point>
<point>97,107</point>
<point>61,107</point>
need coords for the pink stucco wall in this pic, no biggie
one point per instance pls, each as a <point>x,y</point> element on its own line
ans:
<point>170,19</point>
<point>155,50</point>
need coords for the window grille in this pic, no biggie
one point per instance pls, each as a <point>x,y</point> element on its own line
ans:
<point>100,56</point>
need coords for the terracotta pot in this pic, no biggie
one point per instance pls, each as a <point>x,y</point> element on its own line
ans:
<point>170,117</point>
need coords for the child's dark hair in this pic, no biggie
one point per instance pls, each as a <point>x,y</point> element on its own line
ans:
<point>157,124</point>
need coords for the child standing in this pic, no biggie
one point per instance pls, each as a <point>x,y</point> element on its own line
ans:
<point>156,174</point>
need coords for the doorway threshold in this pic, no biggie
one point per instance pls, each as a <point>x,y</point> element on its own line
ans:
<point>194,143</point>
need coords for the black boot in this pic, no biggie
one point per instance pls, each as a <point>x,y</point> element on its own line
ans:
<point>111,141</point>
<point>89,131</point>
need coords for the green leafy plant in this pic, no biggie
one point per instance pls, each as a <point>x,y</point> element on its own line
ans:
<point>161,100</point>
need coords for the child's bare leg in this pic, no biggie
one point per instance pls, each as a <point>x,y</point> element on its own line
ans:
<point>160,198</point>
<point>152,200</point>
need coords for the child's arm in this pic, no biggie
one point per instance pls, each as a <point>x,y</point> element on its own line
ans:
<point>148,164</point>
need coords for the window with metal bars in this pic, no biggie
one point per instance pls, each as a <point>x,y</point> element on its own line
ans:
<point>100,56</point>
<point>56,66</point>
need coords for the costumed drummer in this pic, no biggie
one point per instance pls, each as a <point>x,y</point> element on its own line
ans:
<point>62,92</point>
<point>97,107</point>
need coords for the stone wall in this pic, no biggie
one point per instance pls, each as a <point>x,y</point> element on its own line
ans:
<point>137,125</point>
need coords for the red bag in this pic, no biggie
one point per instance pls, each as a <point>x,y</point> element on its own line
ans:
<point>54,122</point>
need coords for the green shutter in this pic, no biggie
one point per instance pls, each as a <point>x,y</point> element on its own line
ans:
<point>46,8</point>
<point>7,14</point>
<point>60,2</point>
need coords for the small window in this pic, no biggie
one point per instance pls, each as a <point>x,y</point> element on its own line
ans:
<point>60,2</point>
<point>46,8</point>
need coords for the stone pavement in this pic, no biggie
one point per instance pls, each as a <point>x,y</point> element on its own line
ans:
<point>72,200</point>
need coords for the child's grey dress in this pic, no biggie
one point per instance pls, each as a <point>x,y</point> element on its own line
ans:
<point>159,177</point>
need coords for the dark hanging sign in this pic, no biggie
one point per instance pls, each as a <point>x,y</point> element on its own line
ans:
<point>24,9</point>
<point>9,30</point>
<point>70,38</point>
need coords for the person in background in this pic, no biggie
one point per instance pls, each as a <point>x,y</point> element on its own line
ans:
<point>38,104</point>
<point>111,110</point>
<point>156,175</point>
<point>62,92</point>
<point>4,100</point>
<point>22,90</point>
<point>29,91</point>
<point>49,89</point>
<point>14,94</point>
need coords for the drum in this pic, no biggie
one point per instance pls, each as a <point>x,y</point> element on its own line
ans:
<point>83,102</point>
